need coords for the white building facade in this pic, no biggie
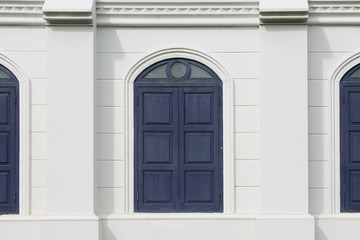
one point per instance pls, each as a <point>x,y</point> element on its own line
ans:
<point>282,114</point>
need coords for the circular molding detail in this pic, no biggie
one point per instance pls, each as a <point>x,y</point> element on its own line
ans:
<point>158,56</point>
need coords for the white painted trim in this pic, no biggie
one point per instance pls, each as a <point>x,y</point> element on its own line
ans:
<point>339,216</point>
<point>20,12</point>
<point>24,133</point>
<point>334,97</point>
<point>287,217</point>
<point>228,122</point>
<point>335,12</point>
<point>68,12</point>
<point>62,218</point>
<point>283,12</point>
<point>179,216</point>
<point>179,13</point>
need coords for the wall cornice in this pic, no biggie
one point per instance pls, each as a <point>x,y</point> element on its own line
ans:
<point>21,12</point>
<point>334,12</point>
<point>177,13</point>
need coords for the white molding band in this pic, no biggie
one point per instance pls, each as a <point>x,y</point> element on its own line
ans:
<point>334,13</point>
<point>21,12</point>
<point>184,13</point>
<point>177,14</point>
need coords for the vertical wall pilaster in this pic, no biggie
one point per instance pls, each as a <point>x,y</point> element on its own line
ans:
<point>70,76</point>
<point>284,141</point>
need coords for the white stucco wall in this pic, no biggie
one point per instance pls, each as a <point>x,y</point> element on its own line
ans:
<point>118,52</point>
<point>26,47</point>
<point>236,41</point>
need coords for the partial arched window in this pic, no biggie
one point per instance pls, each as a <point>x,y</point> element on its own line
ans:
<point>178,138</point>
<point>9,142</point>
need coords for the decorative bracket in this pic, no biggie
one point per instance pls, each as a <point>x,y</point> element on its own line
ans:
<point>69,12</point>
<point>283,11</point>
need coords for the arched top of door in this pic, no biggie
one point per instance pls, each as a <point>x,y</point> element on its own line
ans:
<point>7,77</point>
<point>352,76</point>
<point>178,72</point>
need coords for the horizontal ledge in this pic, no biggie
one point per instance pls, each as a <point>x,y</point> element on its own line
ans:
<point>283,18</point>
<point>166,22</point>
<point>22,21</point>
<point>179,216</point>
<point>338,216</point>
<point>331,20</point>
<point>286,217</point>
<point>21,218</point>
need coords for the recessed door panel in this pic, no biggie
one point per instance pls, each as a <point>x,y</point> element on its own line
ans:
<point>158,187</point>
<point>4,148</point>
<point>199,187</point>
<point>157,108</point>
<point>354,186</point>
<point>354,107</point>
<point>198,108</point>
<point>354,147</point>
<point>199,147</point>
<point>4,187</point>
<point>158,147</point>
<point>4,108</point>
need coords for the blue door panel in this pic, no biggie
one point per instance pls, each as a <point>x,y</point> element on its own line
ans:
<point>199,147</point>
<point>4,148</point>
<point>354,147</point>
<point>354,181</point>
<point>199,187</point>
<point>199,144</point>
<point>158,147</point>
<point>198,108</point>
<point>158,187</point>
<point>354,97</point>
<point>157,108</point>
<point>8,150</point>
<point>4,188</point>
<point>4,108</point>
<point>156,144</point>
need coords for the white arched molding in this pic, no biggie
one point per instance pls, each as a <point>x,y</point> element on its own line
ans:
<point>228,122</point>
<point>334,97</point>
<point>24,133</point>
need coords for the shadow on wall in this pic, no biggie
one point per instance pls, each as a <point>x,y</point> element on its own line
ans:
<point>319,234</point>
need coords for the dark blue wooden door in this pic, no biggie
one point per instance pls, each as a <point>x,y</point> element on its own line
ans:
<point>178,149</point>
<point>199,149</point>
<point>178,138</point>
<point>8,150</point>
<point>157,151</point>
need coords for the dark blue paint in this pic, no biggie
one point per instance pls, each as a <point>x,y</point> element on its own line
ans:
<point>178,139</point>
<point>350,142</point>
<point>9,145</point>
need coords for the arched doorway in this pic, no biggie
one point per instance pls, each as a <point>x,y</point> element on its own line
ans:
<point>9,142</point>
<point>178,138</point>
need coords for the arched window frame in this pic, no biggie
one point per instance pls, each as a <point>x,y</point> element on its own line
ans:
<point>228,122</point>
<point>24,132</point>
<point>334,116</point>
